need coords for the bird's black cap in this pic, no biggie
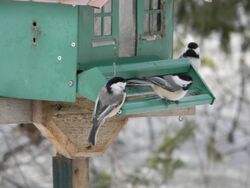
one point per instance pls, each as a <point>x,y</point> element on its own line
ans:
<point>113,81</point>
<point>185,77</point>
<point>187,87</point>
<point>193,45</point>
<point>191,53</point>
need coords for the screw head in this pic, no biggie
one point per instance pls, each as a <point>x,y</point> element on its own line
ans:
<point>73,44</point>
<point>120,112</point>
<point>180,118</point>
<point>70,83</point>
<point>59,58</point>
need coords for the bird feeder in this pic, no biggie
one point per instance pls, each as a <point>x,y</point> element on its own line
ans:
<point>60,51</point>
<point>57,54</point>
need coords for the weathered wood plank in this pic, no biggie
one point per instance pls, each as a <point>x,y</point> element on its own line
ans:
<point>42,119</point>
<point>80,173</point>
<point>14,111</point>
<point>67,126</point>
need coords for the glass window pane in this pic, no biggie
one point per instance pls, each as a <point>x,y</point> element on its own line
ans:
<point>156,22</point>
<point>146,23</point>
<point>155,4</point>
<point>146,4</point>
<point>159,22</point>
<point>108,7</point>
<point>98,10</point>
<point>107,25</point>
<point>97,26</point>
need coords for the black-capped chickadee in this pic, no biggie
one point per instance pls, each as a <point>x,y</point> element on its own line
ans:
<point>169,87</point>
<point>108,104</point>
<point>193,54</point>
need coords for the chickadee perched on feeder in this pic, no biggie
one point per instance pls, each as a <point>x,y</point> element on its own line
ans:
<point>108,104</point>
<point>169,87</point>
<point>173,87</point>
<point>193,54</point>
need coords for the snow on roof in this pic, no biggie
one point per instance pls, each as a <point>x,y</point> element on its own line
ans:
<point>93,3</point>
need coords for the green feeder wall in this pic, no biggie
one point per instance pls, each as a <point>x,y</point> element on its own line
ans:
<point>51,51</point>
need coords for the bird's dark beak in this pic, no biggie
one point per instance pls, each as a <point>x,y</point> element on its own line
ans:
<point>187,87</point>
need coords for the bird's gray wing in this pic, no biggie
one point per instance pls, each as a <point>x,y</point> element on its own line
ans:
<point>105,103</point>
<point>97,105</point>
<point>106,111</point>
<point>98,120</point>
<point>108,103</point>
<point>161,82</point>
<point>169,79</point>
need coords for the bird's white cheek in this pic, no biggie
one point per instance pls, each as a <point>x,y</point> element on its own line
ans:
<point>118,88</point>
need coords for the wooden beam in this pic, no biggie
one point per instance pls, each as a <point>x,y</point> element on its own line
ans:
<point>14,111</point>
<point>67,126</point>
<point>80,173</point>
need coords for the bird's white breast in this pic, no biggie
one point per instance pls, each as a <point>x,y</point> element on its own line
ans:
<point>173,96</point>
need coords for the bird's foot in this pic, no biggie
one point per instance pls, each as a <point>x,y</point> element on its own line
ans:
<point>177,102</point>
<point>167,102</point>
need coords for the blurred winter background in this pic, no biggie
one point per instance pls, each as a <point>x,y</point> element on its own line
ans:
<point>211,149</point>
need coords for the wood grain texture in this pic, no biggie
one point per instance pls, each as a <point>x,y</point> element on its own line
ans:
<point>67,126</point>
<point>80,168</point>
<point>13,111</point>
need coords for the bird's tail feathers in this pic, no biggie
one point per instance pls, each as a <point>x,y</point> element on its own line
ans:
<point>94,131</point>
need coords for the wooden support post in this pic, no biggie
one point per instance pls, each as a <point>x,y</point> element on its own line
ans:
<point>80,172</point>
<point>70,173</point>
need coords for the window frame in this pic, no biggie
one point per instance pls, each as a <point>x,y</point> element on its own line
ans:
<point>106,40</point>
<point>160,45</point>
<point>153,35</point>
